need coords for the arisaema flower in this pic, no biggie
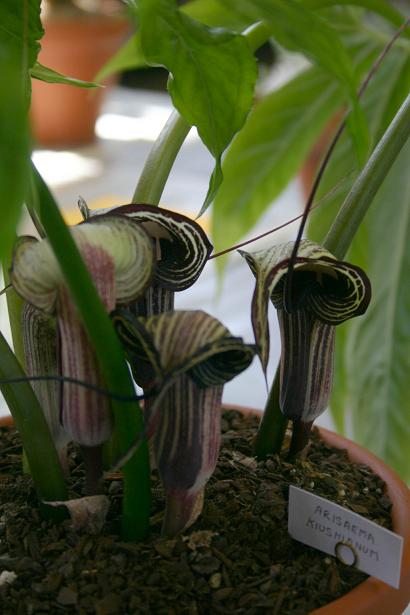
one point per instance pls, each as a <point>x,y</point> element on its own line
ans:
<point>181,251</point>
<point>325,292</point>
<point>118,254</point>
<point>192,355</point>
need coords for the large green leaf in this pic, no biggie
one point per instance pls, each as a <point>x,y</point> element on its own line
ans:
<point>213,13</point>
<point>20,30</point>
<point>372,248</point>
<point>213,71</point>
<point>209,12</point>
<point>270,149</point>
<point>300,29</point>
<point>129,56</point>
<point>377,6</point>
<point>381,101</point>
<point>377,354</point>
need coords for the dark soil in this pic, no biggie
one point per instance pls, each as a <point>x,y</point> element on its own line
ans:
<point>237,558</point>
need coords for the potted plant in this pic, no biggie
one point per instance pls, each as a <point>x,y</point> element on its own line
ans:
<point>79,38</point>
<point>87,302</point>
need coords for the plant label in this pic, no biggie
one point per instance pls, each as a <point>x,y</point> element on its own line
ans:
<point>351,538</point>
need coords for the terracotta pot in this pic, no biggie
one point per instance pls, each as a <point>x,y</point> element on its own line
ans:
<point>76,47</point>
<point>372,597</point>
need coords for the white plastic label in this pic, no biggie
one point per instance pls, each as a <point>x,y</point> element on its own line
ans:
<point>330,528</point>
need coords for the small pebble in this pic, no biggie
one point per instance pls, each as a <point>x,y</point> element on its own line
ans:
<point>215,580</point>
<point>7,577</point>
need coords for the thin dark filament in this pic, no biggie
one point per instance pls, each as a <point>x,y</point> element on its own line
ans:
<point>5,289</point>
<point>287,299</point>
<point>86,385</point>
<point>278,228</point>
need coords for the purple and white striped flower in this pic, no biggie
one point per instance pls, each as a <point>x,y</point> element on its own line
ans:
<point>118,254</point>
<point>192,355</point>
<point>325,292</point>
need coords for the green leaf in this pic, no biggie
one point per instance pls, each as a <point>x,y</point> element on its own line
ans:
<point>377,6</point>
<point>381,101</point>
<point>129,56</point>
<point>20,30</point>
<point>215,182</point>
<point>213,13</point>
<point>302,30</point>
<point>213,71</point>
<point>377,354</point>
<point>384,96</point>
<point>43,73</point>
<point>269,150</point>
<point>209,12</point>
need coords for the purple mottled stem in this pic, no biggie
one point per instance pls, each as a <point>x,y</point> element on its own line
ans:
<point>300,438</point>
<point>93,465</point>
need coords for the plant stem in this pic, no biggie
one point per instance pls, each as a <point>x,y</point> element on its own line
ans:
<point>360,197</point>
<point>300,438</point>
<point>92,458</point>
<point>160,160</point>
<point>272,428</point>
<point>162,156</point>
<point>37,442</point>
<point>128,419</point>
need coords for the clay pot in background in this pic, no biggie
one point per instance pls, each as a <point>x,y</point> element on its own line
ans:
<point>76,47</point>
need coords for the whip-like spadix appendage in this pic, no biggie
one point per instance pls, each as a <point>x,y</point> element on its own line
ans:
<point>118,254</point>
<point>192,355</point>
<point>325,292</point>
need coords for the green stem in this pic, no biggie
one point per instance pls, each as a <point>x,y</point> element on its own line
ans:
<point>162,156</point>
<point>160,160</point>
<point>128,417</point>
<point>360,197</point>
<point>257,34</point>
<point>28,416</point>
<point>272,428</point>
